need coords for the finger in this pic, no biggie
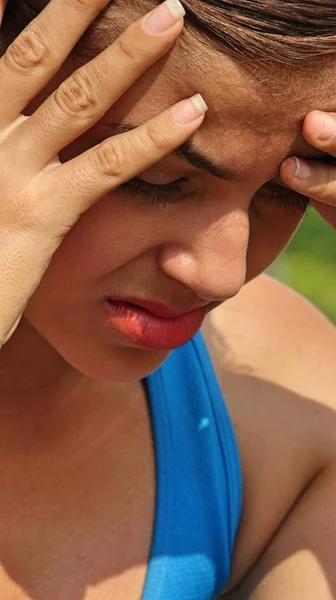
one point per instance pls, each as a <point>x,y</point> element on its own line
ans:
<point>327,212</point>
<point>37,53</point>
<point>89,92</point>
<point>80,182</point>
<point>319,129</point>
<point>2,9</point>
<point>311,178</point>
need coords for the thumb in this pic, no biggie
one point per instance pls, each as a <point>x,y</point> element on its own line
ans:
<point>327,212</point>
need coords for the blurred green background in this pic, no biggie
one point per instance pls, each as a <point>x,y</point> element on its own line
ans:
<point>309,263</point>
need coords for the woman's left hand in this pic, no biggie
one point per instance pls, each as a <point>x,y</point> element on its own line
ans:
<point>314,178</point>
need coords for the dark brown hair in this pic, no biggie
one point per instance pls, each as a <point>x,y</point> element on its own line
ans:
<point>286,32</point>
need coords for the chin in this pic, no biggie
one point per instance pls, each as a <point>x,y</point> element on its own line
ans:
<point>122,366</point>
<point>112,364</point>
<point>91,350</point>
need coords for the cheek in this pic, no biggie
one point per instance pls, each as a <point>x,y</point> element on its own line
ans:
<point>271,229</point>
<point>90,263</point>
<point>99,244</point>
<point>66,309</point>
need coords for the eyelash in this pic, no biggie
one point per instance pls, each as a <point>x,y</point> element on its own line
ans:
<point>161,195</point>
<point>157,194</point>
<point>283,197</point>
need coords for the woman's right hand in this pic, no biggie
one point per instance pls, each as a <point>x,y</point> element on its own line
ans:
<point>40,198</point>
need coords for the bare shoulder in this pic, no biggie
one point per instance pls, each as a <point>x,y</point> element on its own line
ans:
<point>274,355</point>
<point>273,331</point>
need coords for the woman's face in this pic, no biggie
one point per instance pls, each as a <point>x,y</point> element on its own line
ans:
<point>187,233</point>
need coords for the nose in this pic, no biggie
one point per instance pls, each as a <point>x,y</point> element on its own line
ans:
<point>210,258</point>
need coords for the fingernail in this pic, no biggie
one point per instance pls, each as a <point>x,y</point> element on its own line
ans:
<point>190,110</point>
<point>328,128</point>
<point>164,16</point>
<point>303,170</point>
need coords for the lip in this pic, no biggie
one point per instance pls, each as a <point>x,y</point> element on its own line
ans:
<point>159,310</point>
<point>151,325</point>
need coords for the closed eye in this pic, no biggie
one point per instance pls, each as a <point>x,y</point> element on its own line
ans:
<point>159,194</point>
<point>283,196</point>
<point>174,191</point>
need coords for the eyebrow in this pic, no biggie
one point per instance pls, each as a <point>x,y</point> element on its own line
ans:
<point>196,159</point>
<point>186,152</point>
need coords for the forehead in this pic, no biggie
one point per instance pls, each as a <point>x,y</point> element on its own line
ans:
<point>255,118</point>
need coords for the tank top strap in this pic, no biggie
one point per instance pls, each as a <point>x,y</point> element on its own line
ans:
<point>198,478</point>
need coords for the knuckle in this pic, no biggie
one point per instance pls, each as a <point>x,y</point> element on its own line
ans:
<point>81,5</point>
<point>328,183</point>
<point>156,137</point>
<point>110,160</point>
<point>326,194</point>
<point>77,95</point>
<point>325,190</point>
<point>126,48</point>
<point>27,51</point>
<point>330,177</point>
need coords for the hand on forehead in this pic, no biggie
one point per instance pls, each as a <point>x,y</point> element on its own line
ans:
<point>254,120</point>
<point>255,117</point>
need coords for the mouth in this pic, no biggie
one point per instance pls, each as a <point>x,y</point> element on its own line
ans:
<point>151,325</point>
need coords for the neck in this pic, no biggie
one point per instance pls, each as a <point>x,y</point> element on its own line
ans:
<point>41,393</point>
<point>29,366</point>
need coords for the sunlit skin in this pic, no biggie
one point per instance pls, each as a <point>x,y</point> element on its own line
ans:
<point>85,407</point>
<point>191,252</point>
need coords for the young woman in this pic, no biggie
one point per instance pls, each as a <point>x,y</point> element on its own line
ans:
<point>141,459</point>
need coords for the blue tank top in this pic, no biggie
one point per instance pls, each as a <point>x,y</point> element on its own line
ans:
<point>198,478</point>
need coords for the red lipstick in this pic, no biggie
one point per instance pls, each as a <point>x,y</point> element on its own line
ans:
<point>151,325</point>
